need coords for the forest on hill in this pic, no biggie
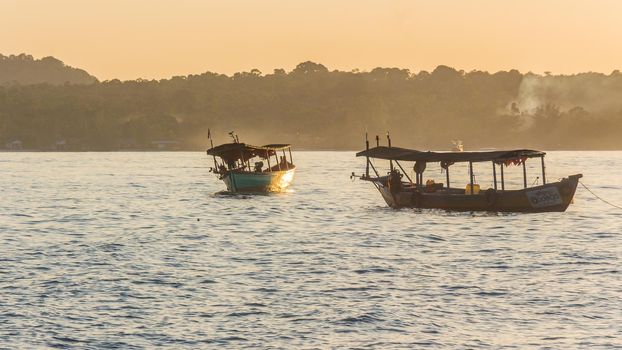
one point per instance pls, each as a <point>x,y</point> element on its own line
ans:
<point>313,107</point>
<point>25,69</point>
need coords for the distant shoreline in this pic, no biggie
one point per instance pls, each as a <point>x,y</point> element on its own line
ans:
<point>313,107</point>
<point>295,150</point>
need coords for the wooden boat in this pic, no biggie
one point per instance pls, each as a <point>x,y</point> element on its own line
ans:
<point>232,165</point>
<point>548,197</point>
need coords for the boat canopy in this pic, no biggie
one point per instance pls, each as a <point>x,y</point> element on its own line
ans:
<point>231,152</point>
<point>410,155</point>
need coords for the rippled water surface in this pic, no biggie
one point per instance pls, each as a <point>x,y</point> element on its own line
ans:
<point>139,250</point>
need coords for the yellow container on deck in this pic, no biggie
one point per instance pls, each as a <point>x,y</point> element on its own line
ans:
<point>467,190</point>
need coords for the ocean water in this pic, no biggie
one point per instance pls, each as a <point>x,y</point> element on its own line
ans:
<point>141,250</point>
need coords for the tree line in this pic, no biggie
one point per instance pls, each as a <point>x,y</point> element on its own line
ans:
<point>313,107</point>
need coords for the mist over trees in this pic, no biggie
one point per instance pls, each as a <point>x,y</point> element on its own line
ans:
<point>315,108</point>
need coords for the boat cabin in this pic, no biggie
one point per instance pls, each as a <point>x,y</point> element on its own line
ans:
<point>246,168</point>
<point>241,157</point>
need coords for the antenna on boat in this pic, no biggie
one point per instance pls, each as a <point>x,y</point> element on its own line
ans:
<point>377,141</point>
<point>209,137</point>
<point>234,136</point>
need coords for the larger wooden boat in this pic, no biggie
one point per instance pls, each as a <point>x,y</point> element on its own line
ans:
<point>241,166</point>
<point>398,193</point>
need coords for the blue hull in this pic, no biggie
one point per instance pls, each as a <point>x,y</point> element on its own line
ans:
<point>274,181</point>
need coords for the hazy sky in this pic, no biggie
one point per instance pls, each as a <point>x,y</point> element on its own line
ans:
<point>129,39</point>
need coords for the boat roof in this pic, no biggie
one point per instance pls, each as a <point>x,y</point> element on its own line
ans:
<point>235,151</point>
<point>277,146</point>
<point>404,154</point>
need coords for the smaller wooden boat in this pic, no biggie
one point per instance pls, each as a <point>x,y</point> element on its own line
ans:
<point>548,197</point>
<point>241,166</point>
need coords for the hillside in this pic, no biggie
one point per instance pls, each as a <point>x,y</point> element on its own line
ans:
<point>25,70</point>
<point>316,108</point>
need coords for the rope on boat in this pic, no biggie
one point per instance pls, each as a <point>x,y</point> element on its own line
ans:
<point>595,195</point>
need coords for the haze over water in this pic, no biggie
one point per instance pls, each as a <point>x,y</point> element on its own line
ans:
<point>138,250</point>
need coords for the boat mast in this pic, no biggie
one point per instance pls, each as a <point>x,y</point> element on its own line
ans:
<point>291,159</point>
<point>471,175</point>
<point>502,179</point>
<point>447,175</point>
<point>284,157</point>
<point>524,174</point>
<point>367,156</point>
<point>543,171</point>
<point>369,163</point>
<point>243,161</point>
<point>209,136</point>
<point>276,157</point>
<point>494,173</point>
<point>390,161</point>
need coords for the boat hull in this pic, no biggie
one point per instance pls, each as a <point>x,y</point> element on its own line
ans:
<point>260,182</point>
<point>552,197</point>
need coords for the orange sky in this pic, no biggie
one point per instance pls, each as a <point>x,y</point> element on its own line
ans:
<point>128,39</point>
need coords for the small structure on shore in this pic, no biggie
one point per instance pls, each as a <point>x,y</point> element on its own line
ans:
<point>14,145</point>
<point>165,145</point>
